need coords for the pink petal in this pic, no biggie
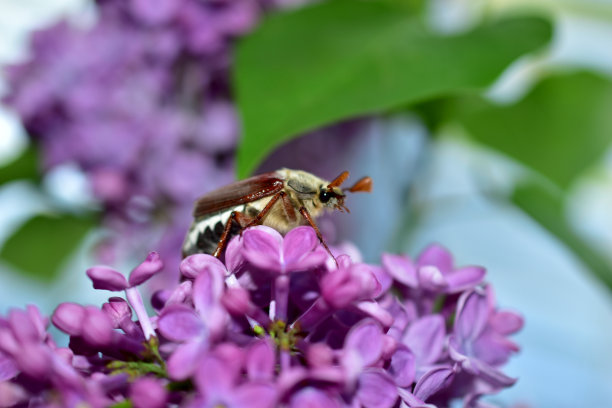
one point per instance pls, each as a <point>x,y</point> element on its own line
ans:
<point>376,389</point>
<point>401,269</point>
<point>143,272</point>
<point>433,381</point>
<point>365,338</point>
<point>402,367</point>
<point>106,278</point>
<point>310,397</point>
<point>186,358</point>
<point>260,361</point>
<point>262,247</point>
<point>68,317</point>
<point>254,395</point>
<point>437,256</point>
<point>193,265</point>
<point>97,327</point>
<point>180,323</point>
<point>507,322</point>
<point>148,392</point>
<point>425,338</point>
<point>472,315</point>
<point>464,278</point>
<point>431,278</point>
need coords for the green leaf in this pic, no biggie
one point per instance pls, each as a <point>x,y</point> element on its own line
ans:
<point>560,129</point>
<point>343,58</point>
<point>547,208</point>
<point>43,244</point>
<point>25,166</point>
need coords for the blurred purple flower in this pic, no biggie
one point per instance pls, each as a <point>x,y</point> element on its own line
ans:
<point>148,116</point>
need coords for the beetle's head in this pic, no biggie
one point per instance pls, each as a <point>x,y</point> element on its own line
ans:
<point>332,195</point>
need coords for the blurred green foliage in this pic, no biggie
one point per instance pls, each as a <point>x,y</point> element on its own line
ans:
<point>560,128</point>
<point>43,244</point>
<point>22,167</point>
<point>343,58</point>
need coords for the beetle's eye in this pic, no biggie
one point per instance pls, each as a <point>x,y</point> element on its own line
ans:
<point>325,196</point>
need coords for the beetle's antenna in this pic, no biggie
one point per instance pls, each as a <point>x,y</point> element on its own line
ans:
<point>338,180</point>
<point>363,185</point>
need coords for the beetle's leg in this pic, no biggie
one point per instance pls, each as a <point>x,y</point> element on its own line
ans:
<point>241,219</point>
<point>289,210</point>
<point>311,222</point>
<point>259,217</point>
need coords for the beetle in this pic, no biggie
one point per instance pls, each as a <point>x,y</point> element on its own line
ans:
<point>283,199</point>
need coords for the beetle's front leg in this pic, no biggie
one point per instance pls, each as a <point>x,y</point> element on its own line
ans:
<point>311,222</point>
<point>242,220</point>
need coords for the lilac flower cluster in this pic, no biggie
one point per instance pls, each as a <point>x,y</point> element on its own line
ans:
<point>279,323</point>
<point>141,102</point>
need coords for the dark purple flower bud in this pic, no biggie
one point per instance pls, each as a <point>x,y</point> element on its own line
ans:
<point>106,278</point>
<point>68,317</point>
<point>117,309</point>
<point>148,392</point>
<point>152,265</point>
<point>97,327</point>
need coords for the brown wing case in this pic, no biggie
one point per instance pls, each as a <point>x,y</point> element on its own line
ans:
<point>240,192</point>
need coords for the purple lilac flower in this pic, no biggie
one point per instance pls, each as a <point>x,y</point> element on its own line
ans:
<point>141,102</point>
<point>275,324</point>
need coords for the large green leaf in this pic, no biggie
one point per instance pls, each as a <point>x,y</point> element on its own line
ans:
<point>342,58</point>
<point>41,246</point>
<point>24,166</point>
<point>547,208</point>
<point>561,128</point>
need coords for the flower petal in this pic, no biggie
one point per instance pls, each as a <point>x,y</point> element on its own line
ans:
<point>180,323</point>
<point>213,378</point>
<point>8,369</point>
<point>376,389</point>
<point>425,338</point>
<point>186,359</point>
<point>193,265</point>
<point>366,339</point>
<point>472,315</point>
<point>506,322</point>
<point>68,317</point>
<point>254,395</point>
<point>146,269</point>
<point>311,397</point>
<point>464,278</point>
<point>262,247</point>
<point>402,367</point>
<point>106,278</point>
<point>147,392</point>
<point>431,278</point>
<point>260,361</point>
<point>401,268</point>
<point>433,381</point>
<point>438,256</point>
<point>97,327</point>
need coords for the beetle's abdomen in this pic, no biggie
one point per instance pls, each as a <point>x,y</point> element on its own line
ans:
<point>205,232</point>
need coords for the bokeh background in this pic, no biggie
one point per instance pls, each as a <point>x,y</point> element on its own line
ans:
<point>486,126</point>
